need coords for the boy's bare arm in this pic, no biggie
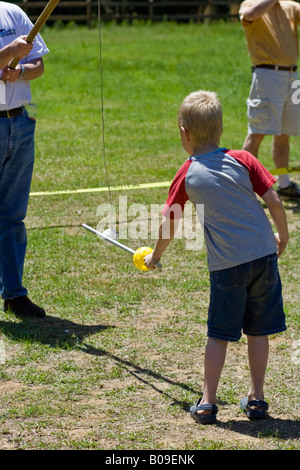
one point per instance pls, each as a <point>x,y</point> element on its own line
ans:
<point>258,9</point>
<point>166,234</point>
<point>278,215</point>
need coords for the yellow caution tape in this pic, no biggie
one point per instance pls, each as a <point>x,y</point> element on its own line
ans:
<point>162,184</point>
<point>103,189</point>
<point>284,171</point>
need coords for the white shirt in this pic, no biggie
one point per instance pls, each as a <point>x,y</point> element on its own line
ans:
<point>14,23</point>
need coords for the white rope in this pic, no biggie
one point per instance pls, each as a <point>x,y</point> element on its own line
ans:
<point>102,102</point>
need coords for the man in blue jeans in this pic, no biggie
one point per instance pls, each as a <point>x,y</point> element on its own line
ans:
<point>16,152</point>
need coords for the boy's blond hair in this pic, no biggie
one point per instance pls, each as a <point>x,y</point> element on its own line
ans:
<point>201,115</point>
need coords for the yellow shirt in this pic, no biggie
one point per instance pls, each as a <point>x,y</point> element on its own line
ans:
<point>273,38</point>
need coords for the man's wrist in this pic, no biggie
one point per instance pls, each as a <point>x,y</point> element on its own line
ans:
<point>22,72</point>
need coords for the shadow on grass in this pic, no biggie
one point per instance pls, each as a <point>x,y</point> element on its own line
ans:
<point>61,333</point>
<point>271,427</point>
<point>52,331</point>
<point>137,371</point>
<point>277,428</point>
<point>293,206</point>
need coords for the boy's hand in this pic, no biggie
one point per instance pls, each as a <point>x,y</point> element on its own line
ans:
<point>150,261</point>
<point>280,244</point>
<point>277,212</point>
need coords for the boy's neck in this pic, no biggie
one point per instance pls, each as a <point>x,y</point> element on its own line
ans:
<point>204,149</point>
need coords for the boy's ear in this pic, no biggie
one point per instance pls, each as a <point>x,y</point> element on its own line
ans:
<point>184,132</point>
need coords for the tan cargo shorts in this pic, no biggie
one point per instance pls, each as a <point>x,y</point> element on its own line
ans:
<point>272,109</point>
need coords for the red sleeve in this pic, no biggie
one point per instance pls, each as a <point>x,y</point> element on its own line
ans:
<point>177,198</point>
<point>260,177</point>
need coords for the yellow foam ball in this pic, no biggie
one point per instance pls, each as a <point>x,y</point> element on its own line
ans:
<point>138,257</point>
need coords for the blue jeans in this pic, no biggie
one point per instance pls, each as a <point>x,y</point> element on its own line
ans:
<point>16,167</point>
<point>246,298</point>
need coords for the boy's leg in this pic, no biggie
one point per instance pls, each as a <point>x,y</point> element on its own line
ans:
<point>258,352</point>
<point>214,361</point>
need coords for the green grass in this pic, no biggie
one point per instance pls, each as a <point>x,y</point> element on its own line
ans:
<point>119,358</point>
<point>146,73</point>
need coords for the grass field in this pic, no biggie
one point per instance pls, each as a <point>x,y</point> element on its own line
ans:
<point>118,360</point>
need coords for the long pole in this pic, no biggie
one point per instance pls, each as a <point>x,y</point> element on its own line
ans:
<point>37,27</point>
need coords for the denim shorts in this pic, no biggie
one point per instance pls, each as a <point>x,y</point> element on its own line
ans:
<point>246,298</point>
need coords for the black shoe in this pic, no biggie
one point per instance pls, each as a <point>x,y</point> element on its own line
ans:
<point>23,307</point>
<point>292,191</point>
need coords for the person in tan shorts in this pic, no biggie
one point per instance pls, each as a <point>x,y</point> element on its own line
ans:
<point>272,39</point>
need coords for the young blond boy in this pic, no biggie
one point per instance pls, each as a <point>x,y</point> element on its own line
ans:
<point>242,250</point>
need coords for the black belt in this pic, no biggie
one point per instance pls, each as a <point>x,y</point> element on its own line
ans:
<point>291,68</point>
<point>11,112</point>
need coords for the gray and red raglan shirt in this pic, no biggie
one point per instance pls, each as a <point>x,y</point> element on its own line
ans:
<point>236,227</point>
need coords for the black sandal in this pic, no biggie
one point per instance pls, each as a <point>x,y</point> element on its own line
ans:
<point>255,409</point>
<point>204,418</point>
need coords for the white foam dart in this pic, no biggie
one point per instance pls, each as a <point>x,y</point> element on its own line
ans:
<point>108,238</point>
<point>111,233</point>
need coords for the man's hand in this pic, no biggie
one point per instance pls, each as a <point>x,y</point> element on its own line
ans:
<point>19,48</point>
<point>11,75</point>
<point>258,9</point>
